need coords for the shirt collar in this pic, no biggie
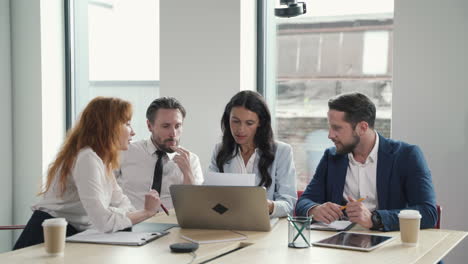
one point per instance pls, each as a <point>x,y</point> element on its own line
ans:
<point>375,150</point>
<point>239,153</point>
<point>151,148</point>
<point>171,155</point>
<point>372,155</point>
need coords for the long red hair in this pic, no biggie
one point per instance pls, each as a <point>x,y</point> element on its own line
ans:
<point>99,128</point>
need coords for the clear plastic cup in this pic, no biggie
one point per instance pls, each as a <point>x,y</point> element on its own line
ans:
<point>299,231</point>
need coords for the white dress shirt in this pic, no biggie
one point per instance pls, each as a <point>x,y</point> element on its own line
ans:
<point>137,171</point>
<point>282,190</point>
<point>240,166</point>
<point>92,199</point>
<point>361,178</point>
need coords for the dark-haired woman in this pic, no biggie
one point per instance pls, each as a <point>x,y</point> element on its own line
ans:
<point>248,147</point>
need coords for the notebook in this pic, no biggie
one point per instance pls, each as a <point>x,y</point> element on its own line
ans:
<point>338,225</point>
<point>203,236</point>
<point>152,227</point>
<point>117,238</point>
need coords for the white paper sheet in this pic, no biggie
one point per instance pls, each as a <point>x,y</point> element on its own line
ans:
<point>229,179</point>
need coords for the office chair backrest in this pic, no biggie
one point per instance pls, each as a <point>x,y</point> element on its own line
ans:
<point>299,193</point>
<point>439,215</point>
<point>12,227</point>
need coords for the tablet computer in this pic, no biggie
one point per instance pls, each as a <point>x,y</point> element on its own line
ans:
<point>355,241</point>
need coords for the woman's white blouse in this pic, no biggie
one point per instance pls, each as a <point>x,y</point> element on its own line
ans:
<point>92,198</point>
<point>283,173</point>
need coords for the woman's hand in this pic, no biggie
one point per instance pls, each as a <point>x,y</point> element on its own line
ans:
<point>152,202</point>
<point>271,206</point>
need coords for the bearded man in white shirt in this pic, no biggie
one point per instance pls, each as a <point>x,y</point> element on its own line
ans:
<point>388,175</point>
<point>139,165</point>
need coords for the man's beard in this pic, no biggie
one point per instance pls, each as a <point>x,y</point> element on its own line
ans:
<point>349,147</point>
<point>163,146</point>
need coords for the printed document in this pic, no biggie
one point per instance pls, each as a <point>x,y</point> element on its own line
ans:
<point>229,179</point>
<point>338,225</point>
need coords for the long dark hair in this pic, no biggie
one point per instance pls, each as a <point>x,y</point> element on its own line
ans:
<point>263,139</point>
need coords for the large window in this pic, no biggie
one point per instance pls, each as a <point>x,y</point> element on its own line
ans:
<point>115,52</point>
<point>338,46</point>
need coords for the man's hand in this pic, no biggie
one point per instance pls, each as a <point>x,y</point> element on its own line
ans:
<point>182,159</point>
<point>327,212</point>
<point>152,202</point>
<point>358,213</point>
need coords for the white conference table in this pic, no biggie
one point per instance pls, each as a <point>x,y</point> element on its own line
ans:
<point>260,247</point>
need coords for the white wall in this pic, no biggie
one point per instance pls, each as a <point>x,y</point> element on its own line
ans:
<point>200,63</point>
<point>38,96</point>
<point>430,95</point>
<point>27,107</point>
<point>6,168</point>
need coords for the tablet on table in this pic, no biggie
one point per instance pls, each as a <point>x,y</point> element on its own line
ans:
<point>355,241</point>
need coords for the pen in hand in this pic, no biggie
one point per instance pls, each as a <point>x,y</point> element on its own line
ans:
<point>165,209</point>
<point>162,205</point>
<point>359,200</point>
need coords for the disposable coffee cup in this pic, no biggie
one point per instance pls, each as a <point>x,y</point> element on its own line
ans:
<point>410,221</point>
<point>55,230</point>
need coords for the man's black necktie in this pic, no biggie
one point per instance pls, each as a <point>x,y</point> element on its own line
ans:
<point>158,172</point>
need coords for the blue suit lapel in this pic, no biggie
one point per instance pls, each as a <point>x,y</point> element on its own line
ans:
<point>384,171</point>
<point>339,176</point>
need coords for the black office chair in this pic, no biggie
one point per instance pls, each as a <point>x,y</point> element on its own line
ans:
<point>439,215</point>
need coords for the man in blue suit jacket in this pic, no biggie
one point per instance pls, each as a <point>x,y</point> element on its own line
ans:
<point>390,175</point>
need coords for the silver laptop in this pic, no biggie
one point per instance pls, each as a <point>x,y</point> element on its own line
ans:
<point>221,207</point>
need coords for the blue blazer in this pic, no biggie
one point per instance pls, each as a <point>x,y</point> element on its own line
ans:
<point>403,182</point>
<point>283,174</point>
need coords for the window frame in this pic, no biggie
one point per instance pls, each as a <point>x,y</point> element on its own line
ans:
<point>77,61</point>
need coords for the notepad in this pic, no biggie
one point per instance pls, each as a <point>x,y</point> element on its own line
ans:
<point>338,225</point>
<point>203,236</point>
<point>117,238</point>
<point>152,227</point>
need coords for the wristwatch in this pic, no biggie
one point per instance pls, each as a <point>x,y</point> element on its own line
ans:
<point>376,221</point>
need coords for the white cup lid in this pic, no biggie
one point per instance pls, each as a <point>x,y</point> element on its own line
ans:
<point>413,214</point>
<point>55,222</point>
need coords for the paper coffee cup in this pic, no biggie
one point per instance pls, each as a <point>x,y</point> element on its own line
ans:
<point>410,221</point>
<point>55,230</point>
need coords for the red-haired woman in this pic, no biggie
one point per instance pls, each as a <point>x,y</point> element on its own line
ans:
<point>80,184</point>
